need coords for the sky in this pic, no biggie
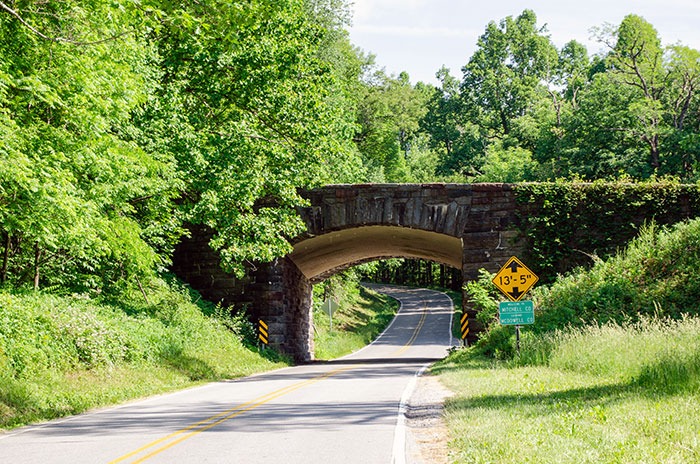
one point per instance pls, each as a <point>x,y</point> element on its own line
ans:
<point>420,36</point>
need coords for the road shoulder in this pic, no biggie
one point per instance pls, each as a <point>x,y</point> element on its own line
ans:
<point>426,430</point>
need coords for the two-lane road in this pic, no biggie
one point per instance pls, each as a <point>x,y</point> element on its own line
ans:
<point>347,410</point>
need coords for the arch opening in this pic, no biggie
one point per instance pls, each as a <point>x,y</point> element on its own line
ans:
<point>322,255</point>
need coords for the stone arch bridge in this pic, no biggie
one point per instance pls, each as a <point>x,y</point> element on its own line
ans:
<point>465,226</point>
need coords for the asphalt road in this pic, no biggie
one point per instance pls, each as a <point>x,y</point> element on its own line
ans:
<point>347,410</point>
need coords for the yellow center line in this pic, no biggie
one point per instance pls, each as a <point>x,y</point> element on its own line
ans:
<point>416,332</point>
<point>210,422</point>
<point>183,434</point>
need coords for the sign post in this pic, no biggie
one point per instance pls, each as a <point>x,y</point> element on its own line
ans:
<point>329,307</point>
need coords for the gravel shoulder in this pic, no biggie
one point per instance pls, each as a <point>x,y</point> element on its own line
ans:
<point>426,431</point>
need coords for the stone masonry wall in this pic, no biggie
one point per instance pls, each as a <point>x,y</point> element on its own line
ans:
<point>486,217</point>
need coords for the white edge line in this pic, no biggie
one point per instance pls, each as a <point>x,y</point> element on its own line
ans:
<point>398,455</point>
<point>100,410</point>
<point>384,331</point>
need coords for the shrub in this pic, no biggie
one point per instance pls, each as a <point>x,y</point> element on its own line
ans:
<point>654,275</point>
<point>58,353</point>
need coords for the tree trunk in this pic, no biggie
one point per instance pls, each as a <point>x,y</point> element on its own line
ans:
<point>37,258</point>
<point>655,152</point>
<point>5,258</point>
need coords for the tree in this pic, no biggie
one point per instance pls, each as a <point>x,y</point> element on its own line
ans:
<point>248,106</point>
<point>121,120</point>
<point>501,79</point>
<point>503,82</point>
<point>683,100</point>
<point>70,182</point>
<point>444,124</point>
<point>388,116</point>
<point>543,129</point>
<point>654,88</point>
<point>636,60</point>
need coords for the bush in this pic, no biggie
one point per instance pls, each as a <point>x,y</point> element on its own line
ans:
<point>495,340</point>
<point>653,276</point>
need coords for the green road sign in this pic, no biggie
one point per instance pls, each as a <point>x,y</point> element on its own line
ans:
<point>516,312</point>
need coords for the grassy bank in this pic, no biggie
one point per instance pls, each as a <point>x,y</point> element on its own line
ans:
<point>607,394</point>
<point>62,355</point>
<point>362,316</point>
<point>609,372</point>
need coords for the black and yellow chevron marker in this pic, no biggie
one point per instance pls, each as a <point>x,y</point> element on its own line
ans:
<point>262,332</point>
<point>464,320</point>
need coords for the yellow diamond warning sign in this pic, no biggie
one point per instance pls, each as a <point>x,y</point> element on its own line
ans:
<point>515,279</point>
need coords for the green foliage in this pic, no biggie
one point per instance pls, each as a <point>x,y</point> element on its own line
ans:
<point>504,413</point>
<point>443,122</point>
<point>494,340</point>
<point>147,116</point>
<point>245,129</point>
<point>503,75</point>
<point>119,121</point>
<point>654,275</point>
<point>50,344</point>
<point>483,296</point>
<point>389,110</point>
<point>627,113</point>
<point>656,354</point>
<point>76,195</point>
<point>564,214</point>
<point>508,165</point>
<point>412,272</point>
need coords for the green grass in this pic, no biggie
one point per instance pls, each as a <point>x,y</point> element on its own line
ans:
<point>609,372</point>
<point>661,355</point>
<point>62,355</point>
<point>362,316</point>
<point>610,394</point>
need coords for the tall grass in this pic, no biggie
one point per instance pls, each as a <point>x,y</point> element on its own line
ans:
<point>658,354</point>
<point>64,354</point>
<point>653,278</point>
<point>656,275</point>
<point>610,371</point>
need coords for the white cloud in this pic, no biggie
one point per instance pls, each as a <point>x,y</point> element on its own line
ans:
<point>374,9</point>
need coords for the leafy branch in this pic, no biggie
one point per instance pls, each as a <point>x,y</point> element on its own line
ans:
<point>38,33</point>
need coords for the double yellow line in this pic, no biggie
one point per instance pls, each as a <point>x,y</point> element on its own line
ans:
<point>162,444</point>
<point>198,427</point>
<point>416,331</point>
